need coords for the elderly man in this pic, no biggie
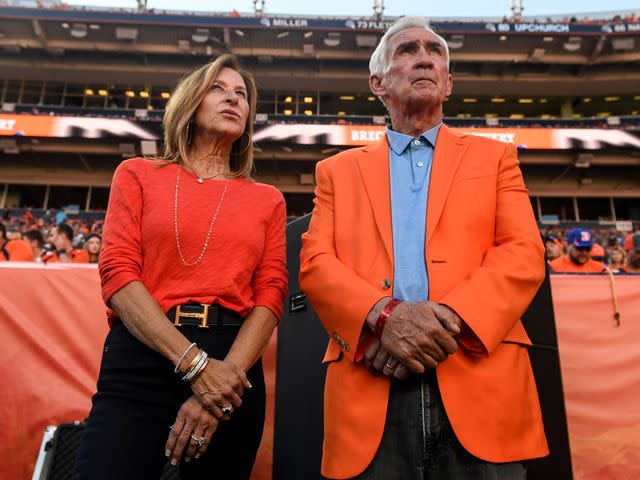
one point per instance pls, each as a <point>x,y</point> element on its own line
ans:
<point>421,255</point>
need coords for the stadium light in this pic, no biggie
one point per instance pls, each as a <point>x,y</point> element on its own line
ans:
<point>573,44</point>
<point>201,35</point>
<point>611,99</point>
<point>341,113</point>
<point>283,34</point>
<point>126,33</point>
<point>102,92</point>
<point>239,32</point>
<point>144,94</point>
<point>288,112</point>
<point>308,34</point>
<point>308,112</point>
<point>165,95</point>
<point>78,30</point>
<point>456,42</point>
<point>525,100</point>
<point>288,100</point>
<point>469,100</point>
<point>308,99</point>
<point>543,100</point>
<point>503,38</point>
<point>498,100</point>
<point>586,100</point>
<point>130,93</point>
<point>88,91</point>
<point>332,39</point>
<point>347,98</point>
<point>371,98</point>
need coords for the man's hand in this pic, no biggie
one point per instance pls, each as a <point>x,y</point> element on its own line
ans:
<point>378,360</point>
<point>416,337</point>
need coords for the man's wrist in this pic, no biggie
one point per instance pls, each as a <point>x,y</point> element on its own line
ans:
<point>374,313</point>
<point>384,316</point>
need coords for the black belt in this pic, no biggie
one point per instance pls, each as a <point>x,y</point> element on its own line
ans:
<point>203,316</point>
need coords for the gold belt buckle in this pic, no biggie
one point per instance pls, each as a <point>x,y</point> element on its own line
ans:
<point>203,317</point>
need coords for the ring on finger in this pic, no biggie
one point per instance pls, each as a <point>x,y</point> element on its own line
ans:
<point>389,366</point>
<point>199,440</point>
<point>228,410</point>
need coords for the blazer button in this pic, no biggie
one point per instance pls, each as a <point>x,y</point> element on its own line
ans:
<point>346,347</point>
<point>385,284</point>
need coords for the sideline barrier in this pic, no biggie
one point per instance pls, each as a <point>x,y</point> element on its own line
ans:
<point>601,373</point>
<point>52,328</point>
<point>53,324</point>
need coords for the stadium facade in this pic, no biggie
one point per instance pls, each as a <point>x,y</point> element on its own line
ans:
<point>82,89</point>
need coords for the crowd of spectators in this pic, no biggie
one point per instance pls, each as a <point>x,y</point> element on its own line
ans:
<point>51,238</point>
<point>580,250</point>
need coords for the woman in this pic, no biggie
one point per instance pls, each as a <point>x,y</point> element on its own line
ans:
<point>617,259</point>
<point>179,377</point>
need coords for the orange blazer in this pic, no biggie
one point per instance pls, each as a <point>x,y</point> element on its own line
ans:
<point>485,259</point>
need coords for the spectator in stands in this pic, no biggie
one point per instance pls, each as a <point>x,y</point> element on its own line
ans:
<point>189,241</point>
<point>632,247</point>
<point>13,250</point>
<point>93,244</point>
<point>61,237</point>
<point>554,247</point>
<point>578,258</point>
<point>36,240</point>
<point>617,258</point>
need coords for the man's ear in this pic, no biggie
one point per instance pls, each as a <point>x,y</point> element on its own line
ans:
<point>449,85</point>
<point>376,86</point>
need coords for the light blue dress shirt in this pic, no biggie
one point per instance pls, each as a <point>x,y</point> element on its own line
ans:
<point>410,160</point>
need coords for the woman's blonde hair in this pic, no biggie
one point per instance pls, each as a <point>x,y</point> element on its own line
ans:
<point>179,125</point>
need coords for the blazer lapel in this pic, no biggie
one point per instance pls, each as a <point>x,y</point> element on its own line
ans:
<point>373,162</point>
<point>448,153</point>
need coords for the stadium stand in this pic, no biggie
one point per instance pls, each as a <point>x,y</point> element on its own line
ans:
<point>83,88</point>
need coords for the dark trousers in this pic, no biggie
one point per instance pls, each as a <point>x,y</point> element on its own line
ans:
<point>137,401</point>
<point>418,442</point>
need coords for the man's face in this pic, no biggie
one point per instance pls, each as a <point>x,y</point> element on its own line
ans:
<point>633,258</point>
<point>417,74</point>
<point>579,255</point>
<point>553,250</point>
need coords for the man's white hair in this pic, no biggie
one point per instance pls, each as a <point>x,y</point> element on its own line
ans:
<point>379,62</point>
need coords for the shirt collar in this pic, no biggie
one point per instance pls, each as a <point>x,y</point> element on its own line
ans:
<point>399,141</point>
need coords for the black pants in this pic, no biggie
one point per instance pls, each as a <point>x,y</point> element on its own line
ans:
<point>418,442</point>
<point>137,401</point>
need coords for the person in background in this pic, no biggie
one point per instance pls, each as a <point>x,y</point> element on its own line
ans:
<point>36,240</point>
<point>93,245</point>
<point>13,250</point>
<point>578,258</point>
<point>632,247</point>
<point>554,247</point>
<point>617,258</point>
<point>61,237</point>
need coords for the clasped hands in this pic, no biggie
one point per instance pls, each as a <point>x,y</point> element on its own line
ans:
<point>417,336</point>
<point>217,391</point>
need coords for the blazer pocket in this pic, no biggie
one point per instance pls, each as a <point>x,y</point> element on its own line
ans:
<point>472,176</point>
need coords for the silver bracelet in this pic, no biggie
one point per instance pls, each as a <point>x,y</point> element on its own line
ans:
<point>190,375</point>
<point>182,357</point>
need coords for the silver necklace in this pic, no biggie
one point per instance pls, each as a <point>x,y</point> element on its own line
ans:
<point>175,220</point>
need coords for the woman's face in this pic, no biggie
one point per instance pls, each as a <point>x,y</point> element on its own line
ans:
<point>616,256</point>
<point>225,108</point>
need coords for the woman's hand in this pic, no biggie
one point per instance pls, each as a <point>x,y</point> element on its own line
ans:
<point>219,387</point>
<point>192,431</point>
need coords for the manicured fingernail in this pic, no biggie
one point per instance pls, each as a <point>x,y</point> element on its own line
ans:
<point>197,455</point>
<point>167,453</point>
<point>186,459</point>
<point>249,383</point>
<point>174,462</point>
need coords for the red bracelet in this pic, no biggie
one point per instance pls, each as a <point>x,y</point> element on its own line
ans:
<point>384,316</point>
